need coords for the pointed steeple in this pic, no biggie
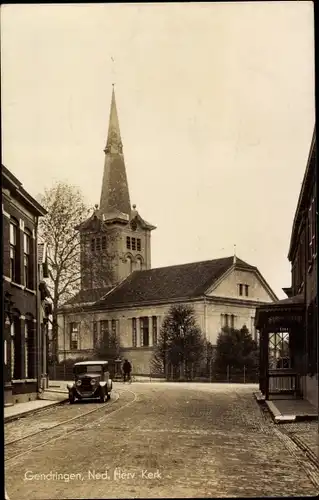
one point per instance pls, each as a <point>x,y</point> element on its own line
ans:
<point>115,193</point>
<point>114,142</point>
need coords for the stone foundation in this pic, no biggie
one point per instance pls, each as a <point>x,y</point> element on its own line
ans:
<point>24,398</point>
<point>7,395</point>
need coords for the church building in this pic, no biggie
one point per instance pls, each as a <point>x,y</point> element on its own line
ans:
<point>122,294</point>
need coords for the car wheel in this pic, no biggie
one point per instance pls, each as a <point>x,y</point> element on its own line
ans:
<point>102,398</point>
<point>108,397</point>
<point>71,399</point>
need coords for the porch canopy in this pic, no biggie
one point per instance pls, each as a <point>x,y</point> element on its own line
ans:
<point>280,326</point>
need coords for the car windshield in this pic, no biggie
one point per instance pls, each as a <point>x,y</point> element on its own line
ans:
<point>87,369</point>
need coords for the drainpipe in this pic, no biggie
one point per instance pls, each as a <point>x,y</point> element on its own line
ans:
<point>38,326</point>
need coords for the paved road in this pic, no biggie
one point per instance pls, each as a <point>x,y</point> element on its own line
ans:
<point>162,440</point>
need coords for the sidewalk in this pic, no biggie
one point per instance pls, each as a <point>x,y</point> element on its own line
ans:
<point>50,397</point>
<point>299,421</point>
<point>22,409</point>
<point>291,410</point>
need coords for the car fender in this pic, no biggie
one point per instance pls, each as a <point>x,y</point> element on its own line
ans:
<point>103,384</point>
<point>70,387</point>
<point>109,385</point>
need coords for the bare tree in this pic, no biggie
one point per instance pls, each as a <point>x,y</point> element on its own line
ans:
<point>66,210</point>
<point>69,229</point>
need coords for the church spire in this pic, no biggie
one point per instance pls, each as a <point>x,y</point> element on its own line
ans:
<point>114,142</point>
<point>115,193</point>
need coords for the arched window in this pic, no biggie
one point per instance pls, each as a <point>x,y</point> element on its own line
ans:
<point>5,352</point>
<point>12,331</point>
<point>139,264</point>
<point>129,264</point>
<point>29,347</point>
<point>15,329</point>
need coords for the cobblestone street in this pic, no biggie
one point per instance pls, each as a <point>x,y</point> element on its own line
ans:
<point>168,440</point>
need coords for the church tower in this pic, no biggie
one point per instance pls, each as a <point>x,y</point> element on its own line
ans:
<point>115,240</point>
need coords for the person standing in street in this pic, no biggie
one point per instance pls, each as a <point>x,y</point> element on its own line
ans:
<point>127,368</point>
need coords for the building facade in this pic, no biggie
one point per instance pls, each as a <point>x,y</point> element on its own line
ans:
<point>297,316</point>
<point>223,292</point>
<point>120,292</point>
<point>21,320</point>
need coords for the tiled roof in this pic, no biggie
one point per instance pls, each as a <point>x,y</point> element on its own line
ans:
<point>168,283</point>
<point>88,296</point>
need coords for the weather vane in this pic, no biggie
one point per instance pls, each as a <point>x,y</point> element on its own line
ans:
<point>113,70</point>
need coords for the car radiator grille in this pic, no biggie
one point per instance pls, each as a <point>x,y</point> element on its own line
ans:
<point>86,385</point>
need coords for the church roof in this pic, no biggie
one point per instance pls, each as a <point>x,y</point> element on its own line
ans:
<point>169,283</point>
<point>88,296</point>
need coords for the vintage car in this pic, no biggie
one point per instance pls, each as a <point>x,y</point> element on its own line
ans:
<point>91,381</point>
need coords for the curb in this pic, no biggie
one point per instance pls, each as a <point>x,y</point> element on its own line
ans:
<point>279,418</point>
<point>259,397</point>
<point>309,453</point>
<point>297,452</point>
<point>11,418</point>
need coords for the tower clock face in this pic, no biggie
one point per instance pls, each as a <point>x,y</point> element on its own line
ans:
<point>134,225</point>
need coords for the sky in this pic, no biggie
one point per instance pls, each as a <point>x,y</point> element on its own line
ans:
<point>216,107</point>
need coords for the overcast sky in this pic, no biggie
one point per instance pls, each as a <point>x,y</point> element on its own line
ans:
<point>216,110</point>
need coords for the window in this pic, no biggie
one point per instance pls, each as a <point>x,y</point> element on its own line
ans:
<point>26,260</point>
<point>129,264</point>
<point>154,321</point>
<point>232,321</point>
<point>92,245</point>
<point>134,333</point>
<point>26,350</point>
<point>138,244</point>
<point>12,331</point>
<point>128,243</point>
<point>16,373</point>
<point>105,332</point>
<point>133,244</point>
<point>29,348</point>
<point>98,244</point>
<point>103,242</point>
<point>223,320</point>
<point>139,264</point>
<point>113,328</point>
<point>243,289</point>
<point>144,331</point>
<point>13,251</point>
<point>227,320</point>
<point>74,336</point>
<point>95,334</point>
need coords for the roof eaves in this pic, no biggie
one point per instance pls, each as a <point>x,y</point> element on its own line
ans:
<point>298,213</point>
<point>146,303</point>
